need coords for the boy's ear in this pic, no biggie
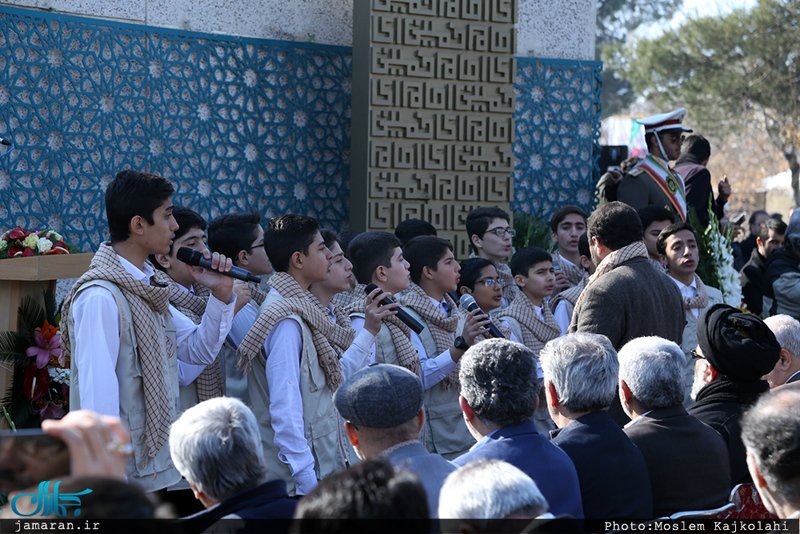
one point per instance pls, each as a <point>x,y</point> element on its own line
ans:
<point>464,290</point>
<point>136,226</point>
<point>554,237</point>
<point>241,258</point>
<point>296,260</point>
<point>163,260</point>
<point>586,263</point>
<point>477,241</point>
<point>519,280</point>
<point>380,274</point>
<point>663,259</point>
<point>427,272</point>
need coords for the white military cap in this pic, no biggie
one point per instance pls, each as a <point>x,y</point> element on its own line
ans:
<point>664,122</point>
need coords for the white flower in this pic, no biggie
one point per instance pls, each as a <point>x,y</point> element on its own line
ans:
<point>44,244</point>
<point>58,374</point>
<point>31,241</point>
<point>54,236</point>
<point>3,244</point>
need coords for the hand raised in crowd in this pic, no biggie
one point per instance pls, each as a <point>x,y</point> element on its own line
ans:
<point>221,286</point>
<point>476,324</point>
<point>561,283</point>
<point>375,311</point>
<point>243,295</point>
<point>724,190</point>
<point>99,445</point>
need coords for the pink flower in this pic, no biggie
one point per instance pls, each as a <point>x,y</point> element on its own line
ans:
<point>51,410</point>
<point>45,348</point>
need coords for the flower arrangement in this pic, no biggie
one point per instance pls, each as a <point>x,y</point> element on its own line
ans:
<point>40,385</point>
<point>716,259</point>
<point>21,243</point>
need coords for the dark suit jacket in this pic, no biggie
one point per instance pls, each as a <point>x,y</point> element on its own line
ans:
<point>688,461</point>
<point>267,501</point>
<point>752,279</point>
<point>614,480</point>
<point>630,301</point>
<point>699,190</point>
<point>431,469</point>
<point>548,466</point>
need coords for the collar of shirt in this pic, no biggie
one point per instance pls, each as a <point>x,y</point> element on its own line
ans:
<point>793,375</point>
<point>565,260</point>
<point>445,309</point>
<point>689,291</point>
<point>331,313</point>
<point>143,275</point>
<point>639,418</point>
<point>539,311</point>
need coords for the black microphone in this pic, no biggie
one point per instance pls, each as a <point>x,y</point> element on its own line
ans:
<point>5,142</point>
<point>468,302</point>
<point>403,315</point>
<point>192,257</point>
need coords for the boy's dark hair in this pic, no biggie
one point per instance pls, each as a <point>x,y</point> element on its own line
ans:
<point>559,216</point>
<point>370,250</point>
<point>369,490</point>
<point>329,237</point>
<point>411,228</point>
<point>345,236</point>
<point>652,213</point>
<point>526,258</point>
<point>232,233</point>
<point>478,222</point>
<point>425,251</point>
<point>615,225</point>
<point>134,193</point>
<point>286,235</point>
<point>583,246</point>
<point>471,270</point>
<point>187,219</point>
<point>776,225</point>
<point>698,146</point>
<point>672,229</point>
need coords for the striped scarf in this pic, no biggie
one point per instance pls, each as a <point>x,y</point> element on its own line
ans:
<point>615,259</point>
<point>535,331</point>
<point>325,333</point>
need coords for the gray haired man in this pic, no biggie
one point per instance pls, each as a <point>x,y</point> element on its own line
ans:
<point>771,433</point>
<point>688,461</point>
<point>221,436</point>
<point>382,407</point>
<point>787,332</point>
<point>580,379</point>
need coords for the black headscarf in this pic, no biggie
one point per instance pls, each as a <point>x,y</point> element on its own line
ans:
<point>745,357</point>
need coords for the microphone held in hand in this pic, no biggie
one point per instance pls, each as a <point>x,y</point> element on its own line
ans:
<point>403,315</point>
<point>468,302</point>
<point>192,257</point>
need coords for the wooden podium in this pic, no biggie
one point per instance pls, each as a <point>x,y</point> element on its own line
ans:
<point>22,277</point>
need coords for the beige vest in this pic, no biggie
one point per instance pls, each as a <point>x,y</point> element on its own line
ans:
<point>150,474</point>
<point>321,423</point>
<point>385,351</point>
<point>445,431</point>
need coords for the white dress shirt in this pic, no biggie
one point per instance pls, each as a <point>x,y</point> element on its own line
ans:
<point>688,292</point>
<point>97,330</point>
<point>562,316</point>
<point>434,369</point>
<point>243,322</point>
<point>283,348</point>
<point>188,373</point>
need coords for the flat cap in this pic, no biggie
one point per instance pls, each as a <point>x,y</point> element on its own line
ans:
<point>380,396</point>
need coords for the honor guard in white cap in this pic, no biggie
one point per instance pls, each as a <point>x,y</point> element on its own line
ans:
<point>652,181</point>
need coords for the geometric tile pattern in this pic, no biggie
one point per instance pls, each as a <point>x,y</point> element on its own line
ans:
<point>557,124</point>
<point>237,124</point>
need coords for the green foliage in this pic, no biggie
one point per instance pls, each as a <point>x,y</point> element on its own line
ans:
<point>705,267</point>
<point>532,230</point>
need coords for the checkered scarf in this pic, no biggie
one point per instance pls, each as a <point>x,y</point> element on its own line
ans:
<point>257,294</point>
<point>401,334</point>
<point>573,273</point>
<point>441,327</point>
<point>325,334</point>
<point>462,318</point>
<point>700,300</point>
<point>535,331</point>
<point>211,382</point>
<point>347,299</point>
<point>615,259</point>
<point>571,294</point>
<point>146,302</point>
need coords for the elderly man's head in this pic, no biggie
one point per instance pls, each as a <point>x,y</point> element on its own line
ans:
<point>732,345</point>
<point>771,433</point>
<point>580,375</point>
<point>498,385</point>
<point>485,491</point>
<point>650,375</point>
<point>218,436</point>
<point>787,332</point>
<point>382,406</point>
